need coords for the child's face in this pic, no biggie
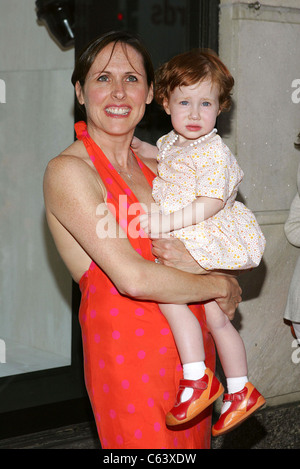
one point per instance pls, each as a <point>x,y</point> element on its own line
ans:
<point>193,109</point>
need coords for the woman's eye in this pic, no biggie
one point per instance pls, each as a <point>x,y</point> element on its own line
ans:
<point>103,78</point>
<point>131,78</point>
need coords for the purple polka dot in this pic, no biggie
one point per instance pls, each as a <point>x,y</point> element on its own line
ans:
<point>101,364</point>
<point>113,291</point>
<point>105,388</point>
<point>119,440</point>
<point>131,408</point>
<point>157,426</point>
<point>127,191</point>
<point>110,166</point>
<point>123,223</point>
<point>116,335</point>
<point>141,354</point>
<point>139,311</point>
<point>112,413</point>
<point>114,311</point>
<point>97,338</point>
<point>162,372</point>
<point>125,384</point>
<point>139,251</point>
<point>93,313</point>
<point>166,395</point>
<point>92,289</point>
<point>150,402</point>
<point>139,332</point>
<point>145,378</point>
<point>165,331</point>
<point>109,180</point>
<point>119,359</point>
<point>138,434</point>
<point>162,350</point>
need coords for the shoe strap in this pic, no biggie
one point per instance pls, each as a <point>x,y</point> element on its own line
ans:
<point>235,397</point>
<point>194,384</point>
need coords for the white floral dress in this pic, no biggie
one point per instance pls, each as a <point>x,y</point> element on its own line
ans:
<point>231,239</point>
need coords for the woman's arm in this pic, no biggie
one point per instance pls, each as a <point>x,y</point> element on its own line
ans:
<point>155,223</point>
<point>73,196</point>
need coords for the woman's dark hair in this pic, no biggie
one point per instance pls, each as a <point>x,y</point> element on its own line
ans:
<point>89,54</point>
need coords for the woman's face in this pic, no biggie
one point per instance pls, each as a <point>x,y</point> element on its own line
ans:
<point>115,91</point>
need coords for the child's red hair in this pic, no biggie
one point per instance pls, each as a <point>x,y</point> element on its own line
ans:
<point>190,68</point>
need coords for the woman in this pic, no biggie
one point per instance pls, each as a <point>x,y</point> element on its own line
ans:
<point>129,352</point>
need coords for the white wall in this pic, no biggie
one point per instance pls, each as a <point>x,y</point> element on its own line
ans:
<point>261,48</point>
<point>36,122</point>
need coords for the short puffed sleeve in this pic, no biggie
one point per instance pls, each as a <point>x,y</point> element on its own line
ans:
<point>217,171</point>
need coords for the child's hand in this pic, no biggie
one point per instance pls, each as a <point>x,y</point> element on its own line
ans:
<point>144,149</point>
<point>136,144</point>
<point>155,224</point>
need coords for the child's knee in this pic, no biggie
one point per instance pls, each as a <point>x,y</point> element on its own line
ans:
<point>215,318</point>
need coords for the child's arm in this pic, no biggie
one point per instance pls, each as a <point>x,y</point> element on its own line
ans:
<point>155,224</point>
<point>146,150</point>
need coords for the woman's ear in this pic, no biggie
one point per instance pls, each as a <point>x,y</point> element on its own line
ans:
<point>79,93</point>
<point>150,94</point>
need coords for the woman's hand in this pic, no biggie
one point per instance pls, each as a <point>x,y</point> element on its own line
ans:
<point>232,294</point>
<point>172,253</point>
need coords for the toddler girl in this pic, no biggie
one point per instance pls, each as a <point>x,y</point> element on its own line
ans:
<point>196,187</point>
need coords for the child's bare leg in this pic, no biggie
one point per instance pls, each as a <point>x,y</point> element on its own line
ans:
<point>189,341</point>
<point>230,346</point>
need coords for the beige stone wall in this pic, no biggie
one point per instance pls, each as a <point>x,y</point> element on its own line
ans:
<point>261,48</point>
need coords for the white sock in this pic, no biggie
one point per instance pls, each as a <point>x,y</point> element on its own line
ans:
<point>234,385</point>
<point>195,370</point>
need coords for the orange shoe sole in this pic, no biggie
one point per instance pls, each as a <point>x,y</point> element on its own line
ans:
<point>238,411</point>
<point>206,391</point>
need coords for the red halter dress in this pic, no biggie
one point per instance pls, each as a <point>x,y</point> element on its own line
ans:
<point>132,368</point>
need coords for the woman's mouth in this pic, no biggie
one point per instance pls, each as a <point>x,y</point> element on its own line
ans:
<point>117,111</point>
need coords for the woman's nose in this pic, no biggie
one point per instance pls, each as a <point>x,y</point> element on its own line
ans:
<point>118,90</point>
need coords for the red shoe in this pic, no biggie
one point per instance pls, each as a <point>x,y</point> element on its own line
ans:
<point>205,391</point>
<point>243,404</point>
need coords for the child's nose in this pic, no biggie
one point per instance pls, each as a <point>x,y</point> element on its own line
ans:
<point>195,113</point>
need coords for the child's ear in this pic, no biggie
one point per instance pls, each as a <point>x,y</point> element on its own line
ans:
<point>166,106</point>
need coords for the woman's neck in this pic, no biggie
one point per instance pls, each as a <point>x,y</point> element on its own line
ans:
<point>115,147</point>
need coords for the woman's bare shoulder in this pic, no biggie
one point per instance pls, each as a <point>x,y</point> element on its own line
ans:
<point>73,159</point>
<point>70,172</point>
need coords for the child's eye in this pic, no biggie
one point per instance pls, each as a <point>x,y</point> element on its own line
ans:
<point>184,103</point>
<point>206,103</point>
